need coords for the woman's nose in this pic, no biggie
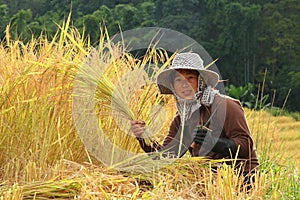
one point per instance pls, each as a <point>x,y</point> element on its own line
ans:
<point>185,83</point>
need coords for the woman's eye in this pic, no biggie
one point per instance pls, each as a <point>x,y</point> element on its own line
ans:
<point>191,78</point>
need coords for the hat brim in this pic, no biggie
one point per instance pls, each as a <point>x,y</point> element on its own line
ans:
<point>164,79</point>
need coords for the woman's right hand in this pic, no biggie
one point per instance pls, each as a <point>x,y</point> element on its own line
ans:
<point>138,127</point>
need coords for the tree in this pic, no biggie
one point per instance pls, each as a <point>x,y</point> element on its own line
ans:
<point>230,34</point>
<point>279,46</point>
<point>3,19</point>
<point>293,101</point>
<point>19,24</point>
<point>126,16</point>
<point>146,13</point>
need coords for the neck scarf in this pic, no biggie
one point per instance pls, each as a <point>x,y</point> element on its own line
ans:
<point>186,107</point>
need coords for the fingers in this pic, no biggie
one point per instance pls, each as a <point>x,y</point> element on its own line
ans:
<point>193,145</point>
<point>200,135</point>
<point>199,139</point>
<point>134,122</point>
<point>138,127</point>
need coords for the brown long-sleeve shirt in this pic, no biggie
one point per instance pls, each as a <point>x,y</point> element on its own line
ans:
<point>226,118</point>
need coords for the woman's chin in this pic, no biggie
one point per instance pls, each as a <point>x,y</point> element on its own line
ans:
<point>187,97</point>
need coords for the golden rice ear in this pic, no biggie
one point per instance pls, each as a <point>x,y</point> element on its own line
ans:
<point>210,64</point>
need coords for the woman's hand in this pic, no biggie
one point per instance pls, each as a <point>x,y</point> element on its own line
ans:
<point>138,127</point>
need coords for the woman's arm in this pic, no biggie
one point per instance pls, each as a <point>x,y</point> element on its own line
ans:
<point>236,128</point>
<point>138,128</point>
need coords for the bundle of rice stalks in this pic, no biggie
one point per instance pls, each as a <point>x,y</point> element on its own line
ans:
<point>56,189</point>
<point>111,89</point>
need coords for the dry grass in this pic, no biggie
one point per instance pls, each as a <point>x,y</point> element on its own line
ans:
<point>278,137</point>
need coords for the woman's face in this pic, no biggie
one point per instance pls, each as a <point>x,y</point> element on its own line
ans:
<point>186,83</point>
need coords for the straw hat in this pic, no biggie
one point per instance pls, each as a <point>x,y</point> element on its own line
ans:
<point>190,61</point>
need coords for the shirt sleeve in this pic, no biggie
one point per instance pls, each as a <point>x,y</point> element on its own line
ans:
<point>155,146</point>
<point>174,127</point>
<point>236,128</point>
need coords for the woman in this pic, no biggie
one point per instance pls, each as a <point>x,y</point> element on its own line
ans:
<point>207,123</point>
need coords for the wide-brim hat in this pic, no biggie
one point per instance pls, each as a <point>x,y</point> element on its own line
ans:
<point>190,61</point>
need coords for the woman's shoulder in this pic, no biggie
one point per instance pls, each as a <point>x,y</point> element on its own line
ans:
<point>226,99</point>
<point>225,102</point>
<point>176,118</point>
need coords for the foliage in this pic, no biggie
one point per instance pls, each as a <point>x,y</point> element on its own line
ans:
<point>245,95</point>
<point>295,115</point>
<point>275,111</point>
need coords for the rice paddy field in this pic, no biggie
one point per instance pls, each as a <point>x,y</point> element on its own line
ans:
<point>43,157</point>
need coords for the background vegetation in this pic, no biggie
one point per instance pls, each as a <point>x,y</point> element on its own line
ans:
<point>248,37</point>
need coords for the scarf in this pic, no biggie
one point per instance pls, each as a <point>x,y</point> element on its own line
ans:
<point>186,107</point>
